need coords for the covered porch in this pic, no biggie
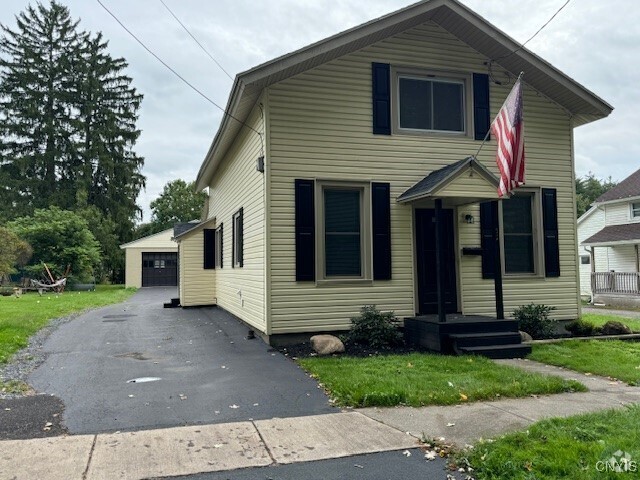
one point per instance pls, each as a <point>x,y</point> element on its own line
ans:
<point>620,284</point>
<point>439,324</point>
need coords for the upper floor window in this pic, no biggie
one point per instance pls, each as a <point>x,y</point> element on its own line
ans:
<point>635,210</point>
<point>430,104</point>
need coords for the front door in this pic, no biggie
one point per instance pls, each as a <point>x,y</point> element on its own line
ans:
<point>426,258</point>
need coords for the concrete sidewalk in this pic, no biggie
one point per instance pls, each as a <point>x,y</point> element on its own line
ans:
<point>199,449</point>
<point>465,424</point>
<point>255,443</point>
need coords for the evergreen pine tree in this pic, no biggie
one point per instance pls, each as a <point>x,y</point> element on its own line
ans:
<point>36,78</point>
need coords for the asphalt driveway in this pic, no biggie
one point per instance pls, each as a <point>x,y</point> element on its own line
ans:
<point>208,371</point>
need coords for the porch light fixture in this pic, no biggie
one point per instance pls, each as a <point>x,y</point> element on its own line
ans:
<point>468,218</point>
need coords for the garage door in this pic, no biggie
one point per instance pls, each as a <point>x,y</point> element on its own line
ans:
<point>159,269</point>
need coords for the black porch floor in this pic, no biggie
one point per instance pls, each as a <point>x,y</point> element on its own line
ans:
<point>466,334</point>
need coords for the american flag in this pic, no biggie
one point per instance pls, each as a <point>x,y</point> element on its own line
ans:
<point>508,129</point>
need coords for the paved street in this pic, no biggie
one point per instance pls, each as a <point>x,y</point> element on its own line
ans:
<point>208,371</point>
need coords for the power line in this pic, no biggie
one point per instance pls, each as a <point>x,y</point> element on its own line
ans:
<point>490,62</point>
<point>176,73</point>
<point>534,35</point>
<point>196,40</point>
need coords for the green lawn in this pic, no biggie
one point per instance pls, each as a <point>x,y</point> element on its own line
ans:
<point>426,379</point>
<point>599,320</point>
<point>22,317</point>
<point>562,448</point>
<point>609,358</point>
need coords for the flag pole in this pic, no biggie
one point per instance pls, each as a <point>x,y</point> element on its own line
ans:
<point>484,140</point>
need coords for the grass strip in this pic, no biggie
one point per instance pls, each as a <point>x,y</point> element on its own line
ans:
<point>21,317</point>
<point>609,358</point>
<point>426,379</point>
<point>576,448</point>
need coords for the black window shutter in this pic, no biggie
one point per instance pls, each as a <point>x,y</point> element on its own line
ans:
<point>209,249</point>
<point>241,237</point>
<point>481,112</point>
<point>233,242</point>
<point>305,231</point>
<point>381,228</point>
<point>381,98</point>
<point>550,226</point>
<point>488,226</point>
<point>221,246</point>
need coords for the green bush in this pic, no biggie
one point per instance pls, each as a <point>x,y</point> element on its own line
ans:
<point>534,319</point>
<point>582,328</point>
<point>374,328</point>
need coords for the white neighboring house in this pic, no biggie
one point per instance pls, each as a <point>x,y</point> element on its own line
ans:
<point>608,236</point>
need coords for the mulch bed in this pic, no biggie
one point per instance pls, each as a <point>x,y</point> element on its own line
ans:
<point>304,350</point>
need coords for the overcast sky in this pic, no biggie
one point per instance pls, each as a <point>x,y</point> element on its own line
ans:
<point>594,41</point>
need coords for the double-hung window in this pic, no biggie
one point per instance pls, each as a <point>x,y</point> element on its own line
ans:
<point>344,250</point>
<point>520,227</point>
<point>635,210</point>
<point>426,103</point>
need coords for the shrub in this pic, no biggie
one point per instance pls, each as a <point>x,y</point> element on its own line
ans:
<point>374,328</point>
<point>582,328</point>
<point>534,319</point>
<point>613,327</point>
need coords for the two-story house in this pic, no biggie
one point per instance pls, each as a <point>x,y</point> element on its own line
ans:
<point>327,173</point>
<point>609,235</point>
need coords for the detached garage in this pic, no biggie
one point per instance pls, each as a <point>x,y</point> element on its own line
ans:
<point>152,261</point>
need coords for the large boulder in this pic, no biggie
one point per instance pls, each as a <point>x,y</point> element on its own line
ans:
<point>525,337</point>
<point>326,344</point>
<point>615,328</point>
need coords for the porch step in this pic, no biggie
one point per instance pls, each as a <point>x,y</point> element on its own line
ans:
<point>516,350</point>
<point>485,339</point>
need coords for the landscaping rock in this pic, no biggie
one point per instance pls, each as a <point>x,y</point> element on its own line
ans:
<point>326,344</point>
<point>615,328</point>
<point>525,337</point>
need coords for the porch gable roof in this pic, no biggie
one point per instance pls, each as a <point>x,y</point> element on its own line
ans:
<point>435,184</point>
<point>628,233</point>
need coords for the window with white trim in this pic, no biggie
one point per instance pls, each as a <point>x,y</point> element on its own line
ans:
<point>428,103</point>
<point>520,230</point>
<point>635,210</point>
<point>343,233</point>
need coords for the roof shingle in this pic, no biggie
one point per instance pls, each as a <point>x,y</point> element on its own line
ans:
<point>627,188</point>
<point>629,232</point>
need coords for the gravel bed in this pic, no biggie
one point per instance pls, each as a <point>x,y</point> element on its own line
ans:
<point>29,358</point>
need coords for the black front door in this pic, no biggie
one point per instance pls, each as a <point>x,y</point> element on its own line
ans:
<point>426,258</point>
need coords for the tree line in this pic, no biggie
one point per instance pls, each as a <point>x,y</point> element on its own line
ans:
<point>69,171</point>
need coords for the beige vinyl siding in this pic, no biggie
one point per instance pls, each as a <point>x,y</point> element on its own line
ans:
<point>619,213</point>
<point>468,185</point>
<point>197,285</point>
<point>236,184</point>
<point>321,127</point>
<point>160,242</point>
<point>588,227</point>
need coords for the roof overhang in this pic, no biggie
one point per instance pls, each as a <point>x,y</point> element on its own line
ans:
<point>463,182</point>
<point>615,235</point>
<point>196,228</point>
<point>583,105</point>
<point>134,243</point>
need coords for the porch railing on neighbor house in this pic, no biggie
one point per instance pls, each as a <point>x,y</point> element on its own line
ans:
<point>627,283</point>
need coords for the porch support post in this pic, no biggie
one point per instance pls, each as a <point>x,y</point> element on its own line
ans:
<point>442,317</point>
<point>498,273</point>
